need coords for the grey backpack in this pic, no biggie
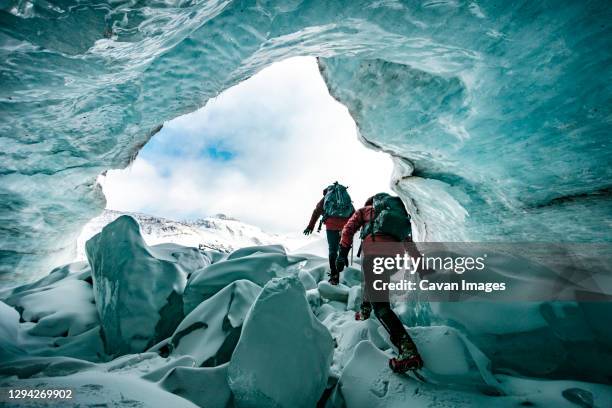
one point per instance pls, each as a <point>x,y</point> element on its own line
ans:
<point>337,202</point>
<point>390,218</point>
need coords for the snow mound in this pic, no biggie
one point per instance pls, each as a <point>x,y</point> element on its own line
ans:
<point>56,315</point>
<point>367,382</point>
<point>282,358</point>
<point>52,309</point>
<point>210,332</point>
<point>205,387</point>
<point>92,388</point>
<point>256,264</point>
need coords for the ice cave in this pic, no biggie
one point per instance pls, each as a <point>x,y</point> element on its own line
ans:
<point>496,116</point>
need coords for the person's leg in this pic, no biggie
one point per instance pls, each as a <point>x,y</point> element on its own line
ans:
<point>379,300</point>
<point>333,246</point>
<point>391,323</point>
<point>367,280</point>
<point>408,357</point>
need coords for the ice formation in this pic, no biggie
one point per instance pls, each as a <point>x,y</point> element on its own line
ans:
<point>280,336</point>
<point>496,115</point>
<point>263,338</point>
<point>128,275</point>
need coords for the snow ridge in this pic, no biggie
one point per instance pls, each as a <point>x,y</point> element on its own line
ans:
<point>219,232</point>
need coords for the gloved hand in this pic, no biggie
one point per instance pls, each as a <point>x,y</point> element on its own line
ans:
<point>308,231</point>
<point>342,260</point>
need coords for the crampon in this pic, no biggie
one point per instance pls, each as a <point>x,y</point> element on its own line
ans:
<point>363,314</point>
<point>408,358</point>
<point>398,365</point>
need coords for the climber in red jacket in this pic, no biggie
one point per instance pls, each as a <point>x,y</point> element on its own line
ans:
<point>382,238</point>
<point>336,207</point>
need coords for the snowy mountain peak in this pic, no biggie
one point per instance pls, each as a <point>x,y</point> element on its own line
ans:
<point>219,232</point>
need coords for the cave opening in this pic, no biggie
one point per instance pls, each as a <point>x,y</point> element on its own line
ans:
<point>260,152</point>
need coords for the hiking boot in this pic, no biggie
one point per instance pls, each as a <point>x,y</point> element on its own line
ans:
<point>364,313</point>
<point>407,359</point>
<point>334,279</point>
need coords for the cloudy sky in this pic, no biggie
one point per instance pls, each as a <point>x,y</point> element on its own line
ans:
<point>261,151</point>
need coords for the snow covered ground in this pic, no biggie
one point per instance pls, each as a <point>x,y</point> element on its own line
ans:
<point>170,325</point>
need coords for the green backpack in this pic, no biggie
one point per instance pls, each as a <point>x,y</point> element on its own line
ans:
<point>337,202</point>
<point>390,218</point>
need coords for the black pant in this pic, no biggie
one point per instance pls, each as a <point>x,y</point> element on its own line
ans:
<point>333,246</point>
<point>379,302</point>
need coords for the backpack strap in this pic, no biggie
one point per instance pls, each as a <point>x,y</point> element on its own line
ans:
<point>372,222</point>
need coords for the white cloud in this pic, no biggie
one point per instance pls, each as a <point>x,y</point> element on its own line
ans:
<point>286,139</point>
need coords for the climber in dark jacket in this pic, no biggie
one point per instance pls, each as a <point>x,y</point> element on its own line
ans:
<point>333,227</point>
<point>377,245</point>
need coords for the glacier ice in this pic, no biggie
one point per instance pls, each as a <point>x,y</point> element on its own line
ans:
<point>138,289</point>
<point>354,298</point>
<point>280,333</point>
<point>55,315</point>
<point>52,309</point>
<point>338,292</point>
<point>9,329</point>
<point>257,264</point>
<point>280,345</point>
<point>365,382</point>
<point>210,332</point>
<point>495,114</point>
<point>204,386</point>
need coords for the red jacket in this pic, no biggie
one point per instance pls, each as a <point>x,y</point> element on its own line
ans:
<point>360,218</point>
<point>331,223</point>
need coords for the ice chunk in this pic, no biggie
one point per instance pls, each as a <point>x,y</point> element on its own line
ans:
<point>58,315</point>
<point>347,333</point>
<point>338,292</point>
<point>307,280</point>
<point>210,332</point>
<point>80,270</point>
<point>257,249</point>
<point>257,264</point>
<point>284,352</point>
<point>540,339</point>
<point>64,308</point>
<point>314,298</point>
<point>351,276</point>
<point>138,290</point>
<point>205,387</point>
<point>9,329</point>
<point>355,298</point>
<point>186,259</point>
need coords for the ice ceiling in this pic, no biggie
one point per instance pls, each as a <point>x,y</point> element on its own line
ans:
<point>496,113</point>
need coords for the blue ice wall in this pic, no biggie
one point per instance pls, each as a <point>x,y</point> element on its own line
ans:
<point>496,112</point>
